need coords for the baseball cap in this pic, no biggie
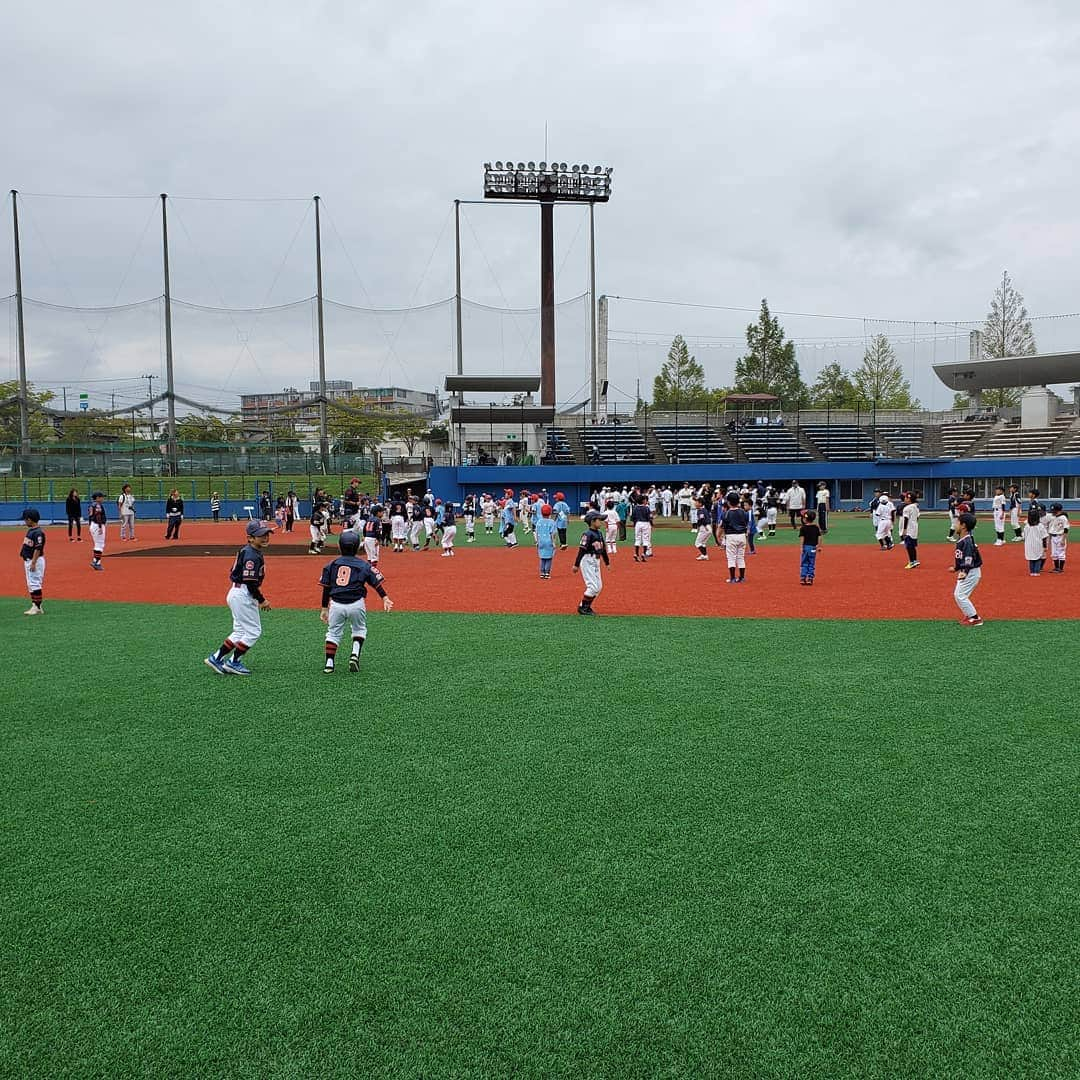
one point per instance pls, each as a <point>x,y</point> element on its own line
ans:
<point>258,528</point>
<point>593,515</point>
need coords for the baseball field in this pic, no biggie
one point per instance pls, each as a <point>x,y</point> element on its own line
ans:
<point>750,831</point>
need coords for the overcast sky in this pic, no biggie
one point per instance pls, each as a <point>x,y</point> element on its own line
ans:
<point>881,160</point>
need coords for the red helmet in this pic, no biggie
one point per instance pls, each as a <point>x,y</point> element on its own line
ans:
<point>559,496</point>
<point>545,510</point>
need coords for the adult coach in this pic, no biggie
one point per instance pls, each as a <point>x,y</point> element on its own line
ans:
<point>125,507</point>
<point>796,502</point>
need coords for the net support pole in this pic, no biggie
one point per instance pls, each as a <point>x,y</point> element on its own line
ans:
<point>20,329</point>
<point>547,302</point>
<point>594,374</point>
<point>602,355</point>
<point>324,440</point>
<point>457,291</point>
<point>170,386</point>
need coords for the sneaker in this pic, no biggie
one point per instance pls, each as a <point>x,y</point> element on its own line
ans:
<point>702,558</point>
<point>354,664</point>
<point>1017,539</point>
<point>732,581</point>
<point>999,543</point>
<point>446,554</point>
<point>33,610</point>
<point>911,566</point>
<point>235,667</point>
<point>585,610</point>
<point>328,668</point>
<point>212,661</point>
<point>973,620</point>
<point>96,566</point>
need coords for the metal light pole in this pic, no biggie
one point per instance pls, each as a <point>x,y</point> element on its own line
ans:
<point>593,374</point>
<point>170,388</point>
<point>324,440</point>
<point>24,400</point>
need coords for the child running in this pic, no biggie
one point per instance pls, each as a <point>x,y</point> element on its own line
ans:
<point>967,565</point>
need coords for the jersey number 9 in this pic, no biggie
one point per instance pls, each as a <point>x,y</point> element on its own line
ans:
<point>344,575</point>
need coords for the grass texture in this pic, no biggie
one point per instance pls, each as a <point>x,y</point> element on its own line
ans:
<point>535,846</point>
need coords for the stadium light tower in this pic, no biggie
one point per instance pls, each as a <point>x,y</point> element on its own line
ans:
<point>547,184</point>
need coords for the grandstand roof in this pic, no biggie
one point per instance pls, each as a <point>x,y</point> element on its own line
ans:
<point>499,383</point>
<point>1040,370</point>
<point>751,397</point>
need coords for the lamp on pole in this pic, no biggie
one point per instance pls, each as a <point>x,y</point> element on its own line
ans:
<point>548,184</point>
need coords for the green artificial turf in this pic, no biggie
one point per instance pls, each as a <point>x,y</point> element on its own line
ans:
<point>536,846</point>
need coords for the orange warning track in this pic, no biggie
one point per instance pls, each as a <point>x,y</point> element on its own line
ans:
<point>853,582</point>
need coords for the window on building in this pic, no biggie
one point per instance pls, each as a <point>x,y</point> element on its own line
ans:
<point>851,490</point>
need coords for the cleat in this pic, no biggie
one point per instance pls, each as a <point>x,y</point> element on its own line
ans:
<point>973,620</point>
<point>702,558</point>
<point>96,566</point>
<point>354,664</point>
<point>33,611</point>
<point>328,668</point>
<point>235,667</point>
<point>213,662</point>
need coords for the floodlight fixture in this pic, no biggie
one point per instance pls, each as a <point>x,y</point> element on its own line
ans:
<point>547,182</point>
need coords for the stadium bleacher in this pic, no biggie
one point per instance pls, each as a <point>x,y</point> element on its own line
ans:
<point>769,443</point>
<point>692,444</point>
<point>842,442</point>
<point>1015,441</point>
<point>958,438</point>
<point>613,444</point>
<point>558,449</point>
<point>904,440</point>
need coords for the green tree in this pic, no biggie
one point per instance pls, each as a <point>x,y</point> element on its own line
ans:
<point>681,381</point>
<point>94,427</point>
<point>204,428</point>
<point>833,388</point>
<point>1006,332</point>
<point>409,428</point>
<point>41,426</point>
<point>769,366</point>
<point>880,378</point>
<point>354,427</point>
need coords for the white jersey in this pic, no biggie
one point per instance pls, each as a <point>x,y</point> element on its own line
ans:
<point>1057,525</point>
<point>1034,535</point>
<point>910,514</point>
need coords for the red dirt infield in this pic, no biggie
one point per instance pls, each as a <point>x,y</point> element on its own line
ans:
<point>853,581</point>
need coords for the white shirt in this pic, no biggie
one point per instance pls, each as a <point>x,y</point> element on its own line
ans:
<point>999,504</point>
<point>822,496</point>
<point>796,497</point>
<point>1033,541</point>
<point>1057,525</point>
<point>910,514</point>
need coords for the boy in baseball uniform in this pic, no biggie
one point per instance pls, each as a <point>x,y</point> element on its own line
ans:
<point>345,582</point>
<point>591,550</point>
<point>886,512</point>
<point>967,565</point>
<point>611,521</point>
<point>701,541</point>
<point>1057,525</point>
<point>32,554</point>
<point>95,515</point>
<point>246,601</point>
<point>999,506</point>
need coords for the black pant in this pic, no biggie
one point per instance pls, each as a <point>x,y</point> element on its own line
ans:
<point>562,537</point>
<point>77,522</point>
<point>289,519</point>
<point>172,532</point>
<point>912,549</point>
<point>823,517</point>
<point>215,514</point>
<point>793,514</point>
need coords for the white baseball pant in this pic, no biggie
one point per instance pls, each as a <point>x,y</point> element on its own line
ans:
<point>1057,547</point>
<point>341,615</point>
<point>999,521</point>
<point>97,537</point>
<point>371,549</point>
<point>964,588</point>
<point>884,528</point>
<point>1014,517</point>
<point>448,534</point>
<point>34,578</point>
<point>247,625</point>
<point>735,547</point>
<point>643,534</point>
<point>590,574</point>
<point>414,533</point>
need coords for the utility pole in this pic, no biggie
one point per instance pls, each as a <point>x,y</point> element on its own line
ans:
<point>324,441</point>
<point>170,388</point>
<point>593,331</point>
<point>64,391</point>
<point>24,392</point>
<point>150,394</point>
<point>547,302</point>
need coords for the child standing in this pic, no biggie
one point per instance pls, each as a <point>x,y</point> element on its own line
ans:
<point>468,509</point>
<point>372,533</point>
<point>1035,540</point>
<point>32,554</point>
<point>751,524</point>
<point>1058,528</point>
<point>95,515</point>
<point>561,513</point>
<point>1000,502</point>
<point>886,512</point>
<point>967,565</point>
<point>909,528</point>
<point>810,538</point>
<point>319,521</point>
<point>701,541</point>
<point>590,551</point>
<point>246,601</point>
<point>508,522</point>
<point>611,520</point>
<point>215,505</point>
<point>545,540</point>
<point>449,530</point>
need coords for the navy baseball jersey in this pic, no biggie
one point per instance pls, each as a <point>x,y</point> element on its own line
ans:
<point>345,580</point>
<point>372,529</point>
<point>249,570</point>
<point>448,515</point>
<point>592,543</point>
<point>96,514</point>
<point>967,554</point>
<point>33,542</point>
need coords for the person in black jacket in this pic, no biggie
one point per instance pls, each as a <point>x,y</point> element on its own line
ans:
<point>174,514</point>
<point>73,508</point>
